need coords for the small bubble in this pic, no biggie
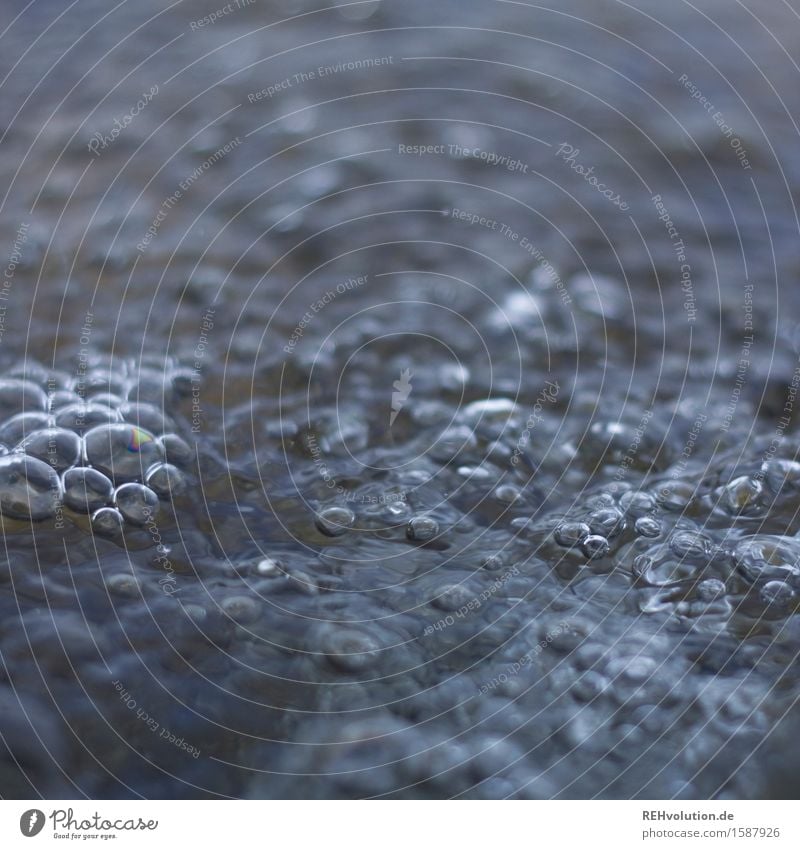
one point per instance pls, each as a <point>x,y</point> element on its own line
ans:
<point>176,450</point>
<point>350,650</point>
<point>422,528</point>
<point>335,521</point>
<point>637,504</point>
<point>777,593</point>
<point>647,526</point>
<point>29,488</point>
<point>244,610</point>
<point>82,417</point>
<point>570,534</point>
<point>608,523</point>
<point>137,503</point>
<point>107,522</point>
<point>58,447</point>
<point>86,489</point>
<point>595,546</point>
<point>710,590</point>
<point>165,480</point>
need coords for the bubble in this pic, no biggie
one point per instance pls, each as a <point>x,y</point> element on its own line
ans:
<point>107,399</point>
<point>18,396</point>
<point>350,650</point>
<point>452,596</point>
<point>150,387</point>
<point>595,546</point>
<point>176,450</point>
<point>422,528</point>
<point>507,493</point>
<point>268,567</point>
<point>55,446</point>
<point>166,480</point>
<point>742,496</point>
<point>777,593</point>
<point>107,522</point>
<point>29,488</point>
<point>335,521</point>
<point>244,610</point>
<point>62,398</point>
<point>647,526</point>
<point>184,380</point>
<point>782,475</point>
<point>82,417</point>
<point>452,443</point>
<point>608,523</point>
<point>690,544</point>
<point>22,425</point>
<point>124,584</point>
<point>569,534</point>
<point>122,451</point>
<point>101,380</point>
<point>637,504</point>
<point>136,502</point>
<point>765,557</point>
<point>86,489</point>
<point>145,416</point>
<point>675,495</point>
<point>710,590</point>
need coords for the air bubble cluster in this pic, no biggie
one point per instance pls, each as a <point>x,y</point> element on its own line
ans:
<point>86,443</point>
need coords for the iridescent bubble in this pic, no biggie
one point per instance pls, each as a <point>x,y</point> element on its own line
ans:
<point>29,488</point>
<point>58,447</point>
<point>107,522</point>
<point>86,489</point>
<point>335,521</point>
<point>82,417</point>
<point>422,528</point>
<point>166,480</point>
<point>136,502</point>
<point>122,451</point>
<point>18,396</point>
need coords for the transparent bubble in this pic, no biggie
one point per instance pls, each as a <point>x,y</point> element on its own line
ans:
<point>122,451</point>
<point>29,488</point>
<point>83,417</point>
<point>422,528</point>
<point>710,590</point>
<point>569,534</point>
<point>335,521</point>
<point>146,416</point>
<point>58,447</point>
<point>595,546</point>
<point>782,476</point>
<point>86,489</point>
<point>507,493</point>
<point>452,596</point>
<point>647,526</point>
<point>778,593</point>
<point>101,380</point>
<point>62,398</point>
<point>690,544</point>
<point>608,522</point>
<point>268,567</point>
<point>20,396</point>
<point>136,502</point>
<point>123,584</point>
<point>107,399</point>
<point>107,522</point>
<point>637,504</point>
<point>349,650</point>
<point>764,557</point>
<point>166,480</point>
<point>22,425</point>
<point>742,496</point>
<point>176,450</point>
<point>244,610</point>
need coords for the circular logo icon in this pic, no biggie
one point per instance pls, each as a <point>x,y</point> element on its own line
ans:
<point>31,822</point>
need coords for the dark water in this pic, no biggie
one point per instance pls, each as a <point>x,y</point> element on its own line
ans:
<point>475,330</point>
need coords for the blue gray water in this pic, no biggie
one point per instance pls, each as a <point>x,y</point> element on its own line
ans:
<point>399,400</point>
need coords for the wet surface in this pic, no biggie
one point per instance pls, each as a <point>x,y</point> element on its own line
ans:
<point>399,399</point>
